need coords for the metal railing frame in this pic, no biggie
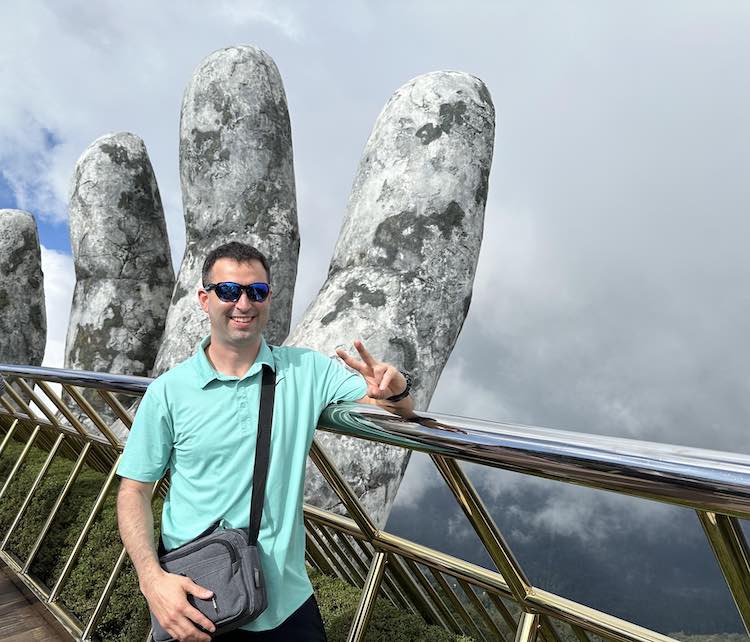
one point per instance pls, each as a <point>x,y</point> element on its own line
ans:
<point>715,485</point>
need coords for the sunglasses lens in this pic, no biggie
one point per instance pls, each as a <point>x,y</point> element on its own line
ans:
<point>258,291</point>
<point>228,291</point>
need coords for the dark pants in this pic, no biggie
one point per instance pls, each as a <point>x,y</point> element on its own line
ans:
<point>304,625</point>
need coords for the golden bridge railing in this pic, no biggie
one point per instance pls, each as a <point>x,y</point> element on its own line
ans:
<point>82,422</point>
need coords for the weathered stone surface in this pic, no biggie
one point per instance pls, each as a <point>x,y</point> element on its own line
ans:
<point>402,273</point>
<point>124,275</point>
<point>23,323</point>
<point>237,185</point>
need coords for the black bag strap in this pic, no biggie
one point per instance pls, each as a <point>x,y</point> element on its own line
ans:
<point>262,451</point>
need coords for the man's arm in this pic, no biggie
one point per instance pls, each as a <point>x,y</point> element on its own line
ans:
<point>383,381</point>
<point>165,593</point>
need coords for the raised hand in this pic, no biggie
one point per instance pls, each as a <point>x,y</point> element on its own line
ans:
<point>383,379</point>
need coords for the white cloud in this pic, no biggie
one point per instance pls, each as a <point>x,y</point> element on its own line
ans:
<point>59,282</point>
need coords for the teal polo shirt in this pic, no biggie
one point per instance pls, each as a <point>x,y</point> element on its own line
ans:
<point>202,426</point>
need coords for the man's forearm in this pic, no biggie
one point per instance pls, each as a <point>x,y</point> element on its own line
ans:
<point>136,524</point>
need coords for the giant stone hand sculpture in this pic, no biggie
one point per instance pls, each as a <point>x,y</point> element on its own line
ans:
<point>124,275</point>
<point>402,272</point>
<point>23,323</point>
<point>237,185</point>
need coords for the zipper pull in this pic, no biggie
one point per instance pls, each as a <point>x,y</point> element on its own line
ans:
<point>216,608</point>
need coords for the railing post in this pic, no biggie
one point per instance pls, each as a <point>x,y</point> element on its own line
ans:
<point>527,627</point>
<point>55,592</point>
<point>367,600</point>
<point>56,507</point>
<point>19,461</point>
<point>730,547</point>
<point>32,490</point>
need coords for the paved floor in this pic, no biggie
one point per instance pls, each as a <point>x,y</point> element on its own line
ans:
<point>21,616</point>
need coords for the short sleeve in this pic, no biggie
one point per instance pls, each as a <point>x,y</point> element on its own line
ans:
<point>149,445</point>
<point>340,383</point>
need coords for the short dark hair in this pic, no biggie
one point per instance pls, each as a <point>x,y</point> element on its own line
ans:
<point>240,252</point>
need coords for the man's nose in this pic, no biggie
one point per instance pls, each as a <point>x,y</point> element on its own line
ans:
<point>244,301</point>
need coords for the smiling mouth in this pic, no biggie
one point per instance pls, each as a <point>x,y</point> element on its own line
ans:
<point>242,320</point>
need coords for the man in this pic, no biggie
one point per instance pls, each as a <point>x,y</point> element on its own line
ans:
<point>199,419</point>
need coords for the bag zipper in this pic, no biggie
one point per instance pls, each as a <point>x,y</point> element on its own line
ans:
<point>191,547</point>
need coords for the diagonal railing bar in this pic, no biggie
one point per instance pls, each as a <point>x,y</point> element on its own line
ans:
<point>120,411</point>
<point>64,410</point>
<point>6,404</point>
<point>335,546</point>
<point>412,588</point>
<point>11,395</point>
<point>447,621</point>
<point>29,391</point>
<point>730,547</point>
<point>482,632</point>
<point>101,604</point>
<point>492,627</point>
<point>30,494</point>
<point>592,620</point>
<point>319,533</point>
<point>55,592</point>
<point>471,627</point>
<point>26,410</point>
<point>484,525</point>
<point>56,506</point>
<point>20,460</point>
<point>341,487</point>
<point>100,457</point>
<point>362,567</point>
<point>503,610</point>
<point>92,414</point>
<point>20,402</point>
<point>548,630</point>
<point>339,571</point>
<point>67,448</point>
<point>390,587</point>
<point>367,600</point>
<point>527,628</point>
<point>580,634</point>
<point>316,554</point>
<point>8,436</point>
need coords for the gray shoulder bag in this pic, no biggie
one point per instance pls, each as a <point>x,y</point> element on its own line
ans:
<point>226,561</point>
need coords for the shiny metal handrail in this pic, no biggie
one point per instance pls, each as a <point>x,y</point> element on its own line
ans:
<point>694,477</point>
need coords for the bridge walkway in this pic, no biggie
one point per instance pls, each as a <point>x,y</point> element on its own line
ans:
<point>22,617</point>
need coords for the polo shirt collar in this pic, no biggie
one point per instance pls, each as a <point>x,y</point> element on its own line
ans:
<point>207,373</point>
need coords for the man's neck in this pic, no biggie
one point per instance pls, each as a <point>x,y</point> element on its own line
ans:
<point>230,360</point>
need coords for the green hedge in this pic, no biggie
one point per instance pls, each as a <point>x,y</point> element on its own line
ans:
<point>126,616</point>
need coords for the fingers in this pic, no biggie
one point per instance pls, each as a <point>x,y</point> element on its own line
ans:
<point>385,382</point>
<point>197,590</point>
<point>353,363</point>
<point>366,356</point>
<point>168,602</point>
<point>185,631</point>
<point>191,612</point>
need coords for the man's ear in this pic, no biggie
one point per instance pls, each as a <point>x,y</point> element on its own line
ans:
<point>203,299</point>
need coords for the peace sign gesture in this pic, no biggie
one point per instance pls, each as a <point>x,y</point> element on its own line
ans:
<point>383,380</point>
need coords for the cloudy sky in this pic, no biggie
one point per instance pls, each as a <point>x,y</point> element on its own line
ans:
<point>611,294</point>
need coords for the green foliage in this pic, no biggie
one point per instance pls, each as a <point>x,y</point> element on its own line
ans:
<point>126,616</point>
<point>338,602</point>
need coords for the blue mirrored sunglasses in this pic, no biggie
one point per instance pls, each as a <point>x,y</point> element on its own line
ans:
<point>230,292</point>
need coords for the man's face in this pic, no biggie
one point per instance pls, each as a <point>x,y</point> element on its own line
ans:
<point>241,323</point>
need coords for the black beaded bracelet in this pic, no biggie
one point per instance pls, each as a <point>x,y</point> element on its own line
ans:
<point>406,391</point>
